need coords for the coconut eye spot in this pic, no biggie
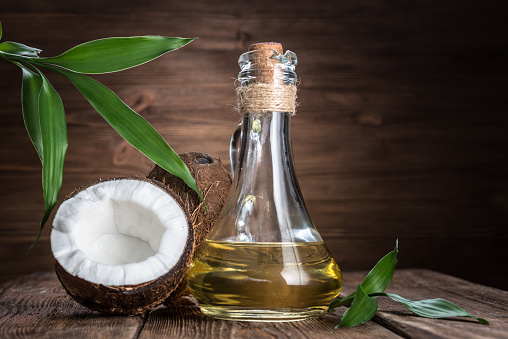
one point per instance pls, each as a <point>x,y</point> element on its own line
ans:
<point>204,160</point>
<point>117,232</point>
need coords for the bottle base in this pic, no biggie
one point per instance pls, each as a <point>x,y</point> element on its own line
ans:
<point>268,315</point>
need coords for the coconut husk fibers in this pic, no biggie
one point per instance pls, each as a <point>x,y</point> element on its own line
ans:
<point>129,299</point>
<point>213,181</point>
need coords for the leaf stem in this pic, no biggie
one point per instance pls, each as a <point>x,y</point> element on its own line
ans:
<point>342,302</point>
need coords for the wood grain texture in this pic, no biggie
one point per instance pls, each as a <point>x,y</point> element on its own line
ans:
<point>189,322</point>
<point>36,306</point>
<point>400,133</point>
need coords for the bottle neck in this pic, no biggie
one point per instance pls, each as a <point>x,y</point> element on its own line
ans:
<point>267,82</point>
<point>267,137</point>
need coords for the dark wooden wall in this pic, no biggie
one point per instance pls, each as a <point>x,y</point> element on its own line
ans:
<point>402,129</point>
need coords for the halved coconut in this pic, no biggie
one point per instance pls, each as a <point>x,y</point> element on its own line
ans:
<point>122,245</point>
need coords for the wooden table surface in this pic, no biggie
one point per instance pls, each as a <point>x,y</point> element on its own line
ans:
<point>37,306</point>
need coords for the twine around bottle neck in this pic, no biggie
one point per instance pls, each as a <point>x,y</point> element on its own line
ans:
<point>265,98</point>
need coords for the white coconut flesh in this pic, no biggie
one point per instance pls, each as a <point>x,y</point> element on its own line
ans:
<point>119,232</point>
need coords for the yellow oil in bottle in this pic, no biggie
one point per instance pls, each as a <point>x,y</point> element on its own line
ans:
<point>264,281</point>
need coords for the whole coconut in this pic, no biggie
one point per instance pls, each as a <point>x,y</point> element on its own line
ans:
<point>213,181</point>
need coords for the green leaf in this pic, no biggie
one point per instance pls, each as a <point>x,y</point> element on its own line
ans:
<point>362,309</point>
<point>131,126</point>
<point>364,306</point>
<point>1,30</point>
<point>381,275</point>
<point>115,54</point>
<point>434,308</point>
<point>16,48</point>
<point>376,281</point>
<point>54,145</point>
<point>30,90</point>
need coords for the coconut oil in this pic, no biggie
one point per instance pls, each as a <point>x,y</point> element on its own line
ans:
<point>264,281</point>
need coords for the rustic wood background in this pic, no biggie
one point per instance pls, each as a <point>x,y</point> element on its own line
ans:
<point>401,130</point>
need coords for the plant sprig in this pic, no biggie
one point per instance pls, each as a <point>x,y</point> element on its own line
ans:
<point>43,110</point>
<point>364,305</point>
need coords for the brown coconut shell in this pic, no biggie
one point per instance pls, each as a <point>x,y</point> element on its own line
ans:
<point>129,299</point>
<point>213,181</point>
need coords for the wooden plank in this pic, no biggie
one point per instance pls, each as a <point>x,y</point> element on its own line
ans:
<point>481,301</point>
<point>36,306</point>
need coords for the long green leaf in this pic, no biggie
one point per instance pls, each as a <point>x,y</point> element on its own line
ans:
<point>115,54</point>
<point>434,308</point>
<point>362,309</point>
<point>1,30</point>
<point>381,275</point>
<point>30,90</point>
<point>131,126</point>
<point>16,48</point>
<point>54,145</point>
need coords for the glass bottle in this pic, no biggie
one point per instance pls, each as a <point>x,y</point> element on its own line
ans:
<point>264,260</point>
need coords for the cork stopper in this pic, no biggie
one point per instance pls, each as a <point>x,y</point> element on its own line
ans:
<point>267,45</point>
<point>265,70</point>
